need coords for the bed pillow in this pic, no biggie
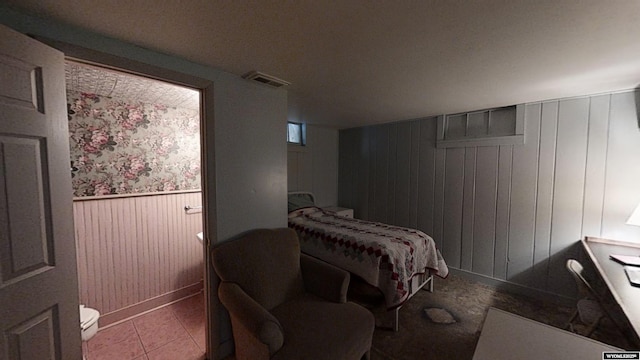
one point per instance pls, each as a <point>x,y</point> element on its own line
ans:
<point>298,202</point>
<point>312,211</point>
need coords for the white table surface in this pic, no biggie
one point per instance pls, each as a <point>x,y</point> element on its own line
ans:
<point>509,336</point>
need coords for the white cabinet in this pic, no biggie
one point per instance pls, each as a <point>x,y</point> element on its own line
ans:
<point>340,211</point>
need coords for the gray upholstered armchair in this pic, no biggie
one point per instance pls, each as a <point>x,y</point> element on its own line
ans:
<point>287,305</point>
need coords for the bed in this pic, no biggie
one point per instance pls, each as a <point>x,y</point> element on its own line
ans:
<point>396,260</point>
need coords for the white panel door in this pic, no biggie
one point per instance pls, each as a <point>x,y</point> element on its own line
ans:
<point>39,316</point>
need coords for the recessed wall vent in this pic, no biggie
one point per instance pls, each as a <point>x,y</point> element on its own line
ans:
<point>265,79</point>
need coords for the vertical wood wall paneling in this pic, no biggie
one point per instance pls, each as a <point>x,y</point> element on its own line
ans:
<point>576,175</point>
<point>131,252</point>
<point>523,193</point>
<point>426,177</point>
<point>121,254</point>
<point>173,246</point>
<point>143,252</point>
<point>358,200</point>
<point>394,159</point>
<point>403,175</point>
<point>177,267</point>
<point>90,253</point>
<point>484,230</point>
<point>468,206</point>
<point>359,167</point>
<point>347,141</point>
<point>381,173</point>
<point>548,114</point>
<point>116,263</point>
<point>85,230</point>
<point>96,254</point>
<point>359,173</point>
<point>568,196</point>
<point>453,191</point>
<point>503,202</point>
<point>623,173</point>
<point>105,225</point>
<point>353,167</point>
<point>165,250</point>
<point>154,244</point>
<point>81,251</point>
<point>134,249</point>
<point>368,170</point>
<point>413,174</point>
<point>596,165</point>
<point>439,197</point>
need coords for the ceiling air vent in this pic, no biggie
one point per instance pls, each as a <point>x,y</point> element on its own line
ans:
<point>265,79</point>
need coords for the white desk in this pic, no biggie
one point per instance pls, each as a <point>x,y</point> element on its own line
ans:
<point>627,296</point>
<point>509,336</point>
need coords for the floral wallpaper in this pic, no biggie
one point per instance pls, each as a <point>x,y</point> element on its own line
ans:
<point>126,147</point>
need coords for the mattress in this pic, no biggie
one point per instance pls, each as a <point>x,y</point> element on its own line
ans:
<point>385,256</point>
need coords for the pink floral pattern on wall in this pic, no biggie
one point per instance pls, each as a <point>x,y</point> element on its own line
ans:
<point>127,147</point>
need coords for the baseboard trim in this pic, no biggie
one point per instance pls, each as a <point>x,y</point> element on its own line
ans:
<point>515,288</point>
<point>124,314</point>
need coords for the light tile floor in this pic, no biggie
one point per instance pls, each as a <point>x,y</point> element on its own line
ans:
<point>173,332</point>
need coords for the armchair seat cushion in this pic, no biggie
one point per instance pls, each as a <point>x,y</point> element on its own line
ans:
<point>317,329</point>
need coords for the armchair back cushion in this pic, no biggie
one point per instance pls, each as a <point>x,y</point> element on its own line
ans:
<point>266,262</point>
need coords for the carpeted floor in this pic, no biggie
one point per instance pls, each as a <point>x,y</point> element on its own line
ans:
<point>468,302</point>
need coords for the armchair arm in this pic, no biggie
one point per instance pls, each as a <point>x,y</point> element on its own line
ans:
<point>324,279</point>
<point>257,333</point>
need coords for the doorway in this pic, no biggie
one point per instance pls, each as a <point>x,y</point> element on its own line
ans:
<point>136,165</point>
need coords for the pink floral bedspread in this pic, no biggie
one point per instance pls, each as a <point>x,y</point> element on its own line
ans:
<point>385,256</point>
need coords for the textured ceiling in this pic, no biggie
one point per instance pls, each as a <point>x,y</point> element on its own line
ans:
<point>355,62</point>
<point>104,82</point>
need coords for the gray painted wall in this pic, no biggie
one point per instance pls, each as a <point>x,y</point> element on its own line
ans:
<point>250,165</point>
<point>314,167</point>
<point>512,212</point>
<point>250,157</point>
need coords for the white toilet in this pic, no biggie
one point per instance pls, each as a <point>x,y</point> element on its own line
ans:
<point>88,322</point>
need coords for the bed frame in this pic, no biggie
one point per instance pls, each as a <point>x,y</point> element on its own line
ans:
<point>421,280</point>
<point>417,283</point>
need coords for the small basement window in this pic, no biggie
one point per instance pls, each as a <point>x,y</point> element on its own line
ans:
<point>499,126</point>
<point>296,133</point>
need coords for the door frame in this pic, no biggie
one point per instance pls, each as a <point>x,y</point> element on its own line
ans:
<point>89,56</point>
